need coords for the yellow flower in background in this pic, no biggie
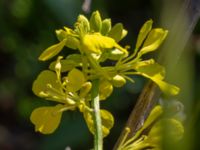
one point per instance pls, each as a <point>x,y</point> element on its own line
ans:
<point>153,126</point>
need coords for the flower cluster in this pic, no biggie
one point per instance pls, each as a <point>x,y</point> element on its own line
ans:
<point>69,79</point>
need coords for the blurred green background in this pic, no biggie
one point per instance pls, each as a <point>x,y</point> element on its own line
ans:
<point>27,27</point>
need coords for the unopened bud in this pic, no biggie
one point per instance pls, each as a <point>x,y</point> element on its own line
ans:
<point>118,81</point>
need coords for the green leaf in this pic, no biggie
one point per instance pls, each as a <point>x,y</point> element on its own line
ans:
<point>52,51</point>
<point>146,28</point>
<point>156,73</point>
<point>95,22</point>
<point>153,41</point>
<point>106,26</point>
<point>41,86</point>
<point>106,119</point>
<point>117,32</point>
<point>75,80</point>
<point>46,119</point>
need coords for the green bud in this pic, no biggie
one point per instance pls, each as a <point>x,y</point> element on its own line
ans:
<point>117,32</point>
<point>95,21</point>
<point>84,22</point>
<point>106,26</point>
<point>61,34</point>
<point>118,81</point>
<point>115,54</point>
<point>72,42</point>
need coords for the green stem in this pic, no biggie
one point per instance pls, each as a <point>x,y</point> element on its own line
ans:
<point>98,138</point>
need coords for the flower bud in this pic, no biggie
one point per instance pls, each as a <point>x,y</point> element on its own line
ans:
<point>84,22</point>
<point>118,81</point>
<point>106,26</point>
<point>61,34</point>
<point>95,21</point>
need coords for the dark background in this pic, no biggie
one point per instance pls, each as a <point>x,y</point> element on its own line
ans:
<point>27,27</point>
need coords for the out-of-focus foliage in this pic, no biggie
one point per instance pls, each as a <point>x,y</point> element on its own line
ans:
<point>26,28</point>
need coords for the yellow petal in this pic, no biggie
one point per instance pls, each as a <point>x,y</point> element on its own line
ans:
<point>105,89</point>
<point>46,119</point>
<point>153,41</point>
<point>156,73</point>
<point>106,119</point>
<point>155,113</point>
<point>75,80</point>
<point>95,43</point>
<point>52,51</point>
<point>41,86</point>
<point>107,122</point>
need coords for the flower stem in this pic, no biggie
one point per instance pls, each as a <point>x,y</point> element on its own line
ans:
<point>98,138</point>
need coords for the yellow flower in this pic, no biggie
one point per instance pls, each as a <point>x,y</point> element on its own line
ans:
<point>72,92</point>
<point>49,86</point>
